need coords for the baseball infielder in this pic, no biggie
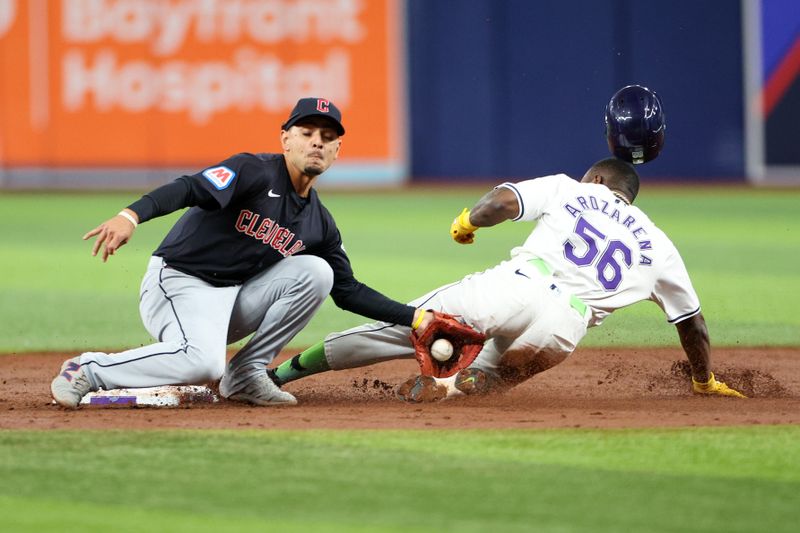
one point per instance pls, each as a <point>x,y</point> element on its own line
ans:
<point>257,252</point>
<point>590,253</point>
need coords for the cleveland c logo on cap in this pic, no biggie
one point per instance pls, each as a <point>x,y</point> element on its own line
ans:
<point>323,105</point>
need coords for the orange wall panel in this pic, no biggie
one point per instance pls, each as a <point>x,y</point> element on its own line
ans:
<point>184,82</point>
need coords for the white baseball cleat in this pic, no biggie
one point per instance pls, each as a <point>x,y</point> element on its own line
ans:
<point>71,384</point>
<point>422,389</point>
<point>260,390</point>
<point>472,381</point>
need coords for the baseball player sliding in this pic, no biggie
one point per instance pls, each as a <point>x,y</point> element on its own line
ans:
<point>591,252</point>
<point>257,252</point>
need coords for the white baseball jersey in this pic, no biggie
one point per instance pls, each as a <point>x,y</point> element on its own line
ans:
<point>605,252</point>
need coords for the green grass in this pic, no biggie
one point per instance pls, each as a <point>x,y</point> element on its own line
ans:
<point>741,247</point>
<point>729,479</point>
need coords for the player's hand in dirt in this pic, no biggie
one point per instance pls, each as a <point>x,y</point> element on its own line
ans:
<point>113,233</point>
<point>712,386</point>
<point>462,231</point>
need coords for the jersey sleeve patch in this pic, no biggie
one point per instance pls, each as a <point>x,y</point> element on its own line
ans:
<point>220,177</point>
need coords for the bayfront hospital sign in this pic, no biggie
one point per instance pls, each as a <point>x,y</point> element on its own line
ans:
<point>126,84</point>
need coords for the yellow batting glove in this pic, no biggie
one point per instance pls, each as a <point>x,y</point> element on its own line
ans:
<point>712,386</point>
<point>461,230</point>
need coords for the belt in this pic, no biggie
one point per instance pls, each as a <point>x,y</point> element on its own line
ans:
<point>544,269</point>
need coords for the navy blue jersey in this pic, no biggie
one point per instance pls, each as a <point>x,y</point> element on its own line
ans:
<point>244,216</point>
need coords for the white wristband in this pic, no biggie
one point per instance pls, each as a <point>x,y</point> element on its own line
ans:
<point>129,217</point>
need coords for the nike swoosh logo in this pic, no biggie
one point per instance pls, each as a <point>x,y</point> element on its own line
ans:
<point>518,271</point>
<point>272,194</point>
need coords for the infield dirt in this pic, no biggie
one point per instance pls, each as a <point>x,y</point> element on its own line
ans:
<point>594,388</point>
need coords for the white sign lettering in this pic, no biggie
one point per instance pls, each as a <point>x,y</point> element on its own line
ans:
<point>201,89</point>
<point>165,25</point>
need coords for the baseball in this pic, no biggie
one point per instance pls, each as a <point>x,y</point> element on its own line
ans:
<point>441,349</point>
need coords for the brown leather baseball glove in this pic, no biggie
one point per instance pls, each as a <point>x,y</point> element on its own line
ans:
<point>467,344</point>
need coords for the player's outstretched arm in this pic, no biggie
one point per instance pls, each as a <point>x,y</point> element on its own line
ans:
<point>113,233</point>
<point>313,360</point>
<point>694,339</point>
<point>496,206</point>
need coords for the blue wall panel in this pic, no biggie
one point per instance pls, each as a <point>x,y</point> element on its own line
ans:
<point>509,89</point>
<point>451,69</point>
<point>694,59</point>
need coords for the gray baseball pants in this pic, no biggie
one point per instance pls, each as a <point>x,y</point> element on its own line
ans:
<point>194,322</point>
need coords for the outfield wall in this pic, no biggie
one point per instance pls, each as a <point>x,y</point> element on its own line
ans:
<point>120,93</point>
<point>517,87</point>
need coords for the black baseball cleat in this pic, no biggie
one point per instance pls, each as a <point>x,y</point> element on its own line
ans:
<point>421,389</point>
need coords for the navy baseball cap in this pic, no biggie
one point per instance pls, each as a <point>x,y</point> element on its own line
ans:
<point>315,107</point>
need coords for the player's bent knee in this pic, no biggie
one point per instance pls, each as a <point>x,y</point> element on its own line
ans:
<point>208,372</point>
<point>318,275</point>
<point>206,365</point>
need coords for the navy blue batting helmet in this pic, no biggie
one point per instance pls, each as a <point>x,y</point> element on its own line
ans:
<point>635,124</point>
